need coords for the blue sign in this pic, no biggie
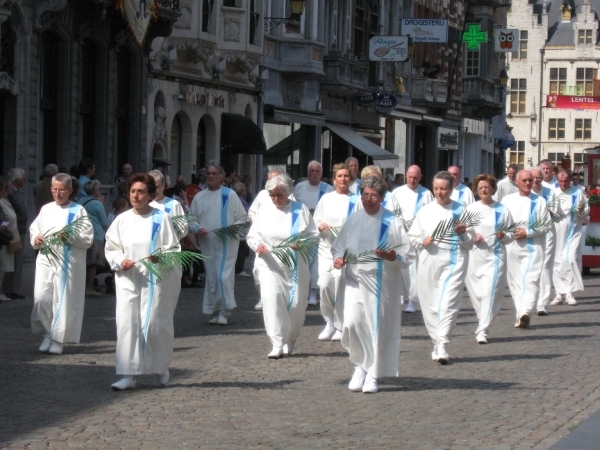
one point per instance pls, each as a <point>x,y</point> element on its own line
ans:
<point>386,103</point>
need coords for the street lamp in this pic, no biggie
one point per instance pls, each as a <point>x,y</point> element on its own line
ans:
<point>503,78</point>
<point>297,7</point>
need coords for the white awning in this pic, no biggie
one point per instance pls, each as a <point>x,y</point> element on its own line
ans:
<point>381,157</point>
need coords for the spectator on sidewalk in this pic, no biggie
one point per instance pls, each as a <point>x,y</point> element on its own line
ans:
<point>243,249</point>
<point>87,169</point>
<point>41,192</point>
<point>12,281</point>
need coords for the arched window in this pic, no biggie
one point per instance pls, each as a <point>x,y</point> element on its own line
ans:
<point>124,92</point>
<point>87,108</point>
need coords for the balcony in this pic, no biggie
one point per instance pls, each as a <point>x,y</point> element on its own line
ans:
<point>429,92</point>
<point>345,73</point>
<point>299,56</point>
<point>482,98</point>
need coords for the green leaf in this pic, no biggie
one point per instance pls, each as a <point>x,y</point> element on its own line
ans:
<point>512,228</point>
<point>232,231</point>
<point>297,244</point>
<point>169,259</point>
<point>182,223</point>
<point>408,224</point>
<point>54,243</point>
<point>365,257</point>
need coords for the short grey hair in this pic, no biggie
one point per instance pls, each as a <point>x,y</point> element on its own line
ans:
<point>374,183</point>
<point>16,173</point>
<point>63,178</point>
<point>315,163</point>
<point>91,186</point>
<point>445,175</point>
<point>282,181</point>
<point>158,176</point>
<point>536,168</point>
<point>217,166</point>
<point>50,170</point>
<point>350,158</point>
<point>238,187</point>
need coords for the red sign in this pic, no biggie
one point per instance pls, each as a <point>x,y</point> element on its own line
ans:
<point>572,102</point>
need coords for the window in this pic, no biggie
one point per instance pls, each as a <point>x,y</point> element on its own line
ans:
<point>472,63</point>
<point>558,80</point>
<point>88,97</point>
<point>366,25</point>
<point>124,69</point>
<point>556,129</point>
<point>578,158</point>
<point>207,7</point>
<point>585,81</point>
<point>517,153</point>
<point>556,159</point>
<point>583,129</point>
<point>49,76</point>
<point>522,53</point>
<point>585,37</point>
<point>518,94</point>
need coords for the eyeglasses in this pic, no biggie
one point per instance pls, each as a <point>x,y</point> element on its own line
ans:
<point>527,180</point>
<point>370,196</point>
<point>54,190</point>
<point>276,195</point>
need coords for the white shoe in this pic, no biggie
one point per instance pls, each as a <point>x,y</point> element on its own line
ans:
<point>410,308</point>
<point>289,348</point>
<point>164,378</point>
<point>402,301</point>
<point>541,311</point>
<point>276,353</point>
<point>55,348</point>
<point>523,321</point>
<point>358,379</point>
<point>124,384</point>
<point>214,320</point>
<point>557,300</point>
<point>571,300</point>
<point>434,355</point>
<point>337,336</point>
<point>481,338</point>
<point>370,385</point>
<point>258,306</point>
<point>243,274</point>
<point>46,343</point>
<point>327,332</point>
<point>4,298</point>
<point>222,320</point>
<point>442,354</point>
<point>312,299</point>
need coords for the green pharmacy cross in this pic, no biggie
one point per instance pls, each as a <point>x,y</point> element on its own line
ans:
<point>474,36</point>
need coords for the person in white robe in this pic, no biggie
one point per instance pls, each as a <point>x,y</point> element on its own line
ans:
<point>486,273</point>
<point>354,167</point>
<point>144,314</point>
<point>411,197</point>
<point>309,193</point>
<point>548,174</point>
<point>507,185</point>
<point>567,267</point>
<point>460,192</point>
<point>217,207</point>
<point>372,310</point>
<point>283,289</point>
<point>59,289</point>
<point>442,263</point>
<point>330,215</point>
<point>525,255</point>
<point>553,206</point>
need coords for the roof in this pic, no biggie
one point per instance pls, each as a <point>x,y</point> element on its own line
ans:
<point>562,33</point>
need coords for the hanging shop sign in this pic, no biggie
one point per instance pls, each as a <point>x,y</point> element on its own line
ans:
<point>447,138</point>
<point>572,102</point>
<point>367,100</point>
<point>386,103</point>
<point>388,48</point>
<point>425,31</point>
<point>473,37</point>
<point>506,41</point>
<point>205,99</point>
<point>138,13</point>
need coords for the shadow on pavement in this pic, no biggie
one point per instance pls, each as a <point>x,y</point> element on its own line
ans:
<point>503,358</point>
<point>430,384</point>
<point>235,385</point>
<point>566,325</point>
<point>538,338</point>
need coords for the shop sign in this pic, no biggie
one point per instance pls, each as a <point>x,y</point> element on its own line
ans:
<point>447,138</point>
<point>386,103</point>
<point>426,31</point>
<point>572,102</point>
<point>506,41</point>
<point>368,100</point>
<point>473,126</point>
<point>205,99</point>
<point>388,48</point>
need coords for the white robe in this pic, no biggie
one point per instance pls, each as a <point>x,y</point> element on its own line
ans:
<point>442,270</point>
<point>371,331</point>
<point>59,290</point>
<point>505,187</point>
<point>355,187</point>
<point>551,185</point>
<point>333,209</point>
<point>410,202</point>
<point>486,273</point>
<point>525,257</point>
<point>145,308</point>
<point>217,209</point>
<point>548,266</point>
<point>283,290</point>
<point>462,194</point>
<point>569,233</point>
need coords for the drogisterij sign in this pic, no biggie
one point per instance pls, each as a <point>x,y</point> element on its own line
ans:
<point>425,31</point>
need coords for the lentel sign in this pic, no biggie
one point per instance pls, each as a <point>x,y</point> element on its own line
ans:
<point>388,48</point>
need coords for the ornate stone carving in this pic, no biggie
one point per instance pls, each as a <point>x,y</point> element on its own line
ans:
<point>160,127</point>
<point>185,20</point>
<point>47,6</point>
<point>8,84</point>
<point>231,29</point>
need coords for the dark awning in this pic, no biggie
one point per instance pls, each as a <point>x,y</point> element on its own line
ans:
<point>240,135</point>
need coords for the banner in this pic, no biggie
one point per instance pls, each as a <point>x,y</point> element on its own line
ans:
<point>572,102</point>
<point>506,41</point>
<point>138,14</point>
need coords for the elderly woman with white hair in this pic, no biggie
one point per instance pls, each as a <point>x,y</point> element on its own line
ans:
<point>283,289</point>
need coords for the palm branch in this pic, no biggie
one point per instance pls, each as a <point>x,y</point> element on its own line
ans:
<point>540,223</point>
<point>366,257</point>
<point>508,228</point>
<point>334,231</point>
<point>166,259</point>
<point>408,224</point>
<point>397,212</point>
<point>445,229</point>
<point>54,243</point>
<point>182,223</point>
<point>231,231</point>
<point>306,247</point>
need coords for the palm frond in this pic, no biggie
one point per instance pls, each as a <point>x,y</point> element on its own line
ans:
<point>408,224</point>
<point>335,231</point>
<point>397,212</point>
<point>445,230</point>
<point>182,223</point>
<point>540,223</point>
<point>54,243</point>
<point>512,228</point>
<point>368,256</point>
<point>231,231</point>
<point>306,247</point>
<point>163,260</point>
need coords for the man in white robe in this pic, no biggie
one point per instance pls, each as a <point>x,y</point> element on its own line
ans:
<point>412,197</point>
<point>354,167</point>
<point>507,185</point>
<point>525,255</point>
<point>59,289</point>
<point>460,193</point>
<point>217,207</point>
<point>567,268</point>
<point>309,193</point>
<point>548,174</point>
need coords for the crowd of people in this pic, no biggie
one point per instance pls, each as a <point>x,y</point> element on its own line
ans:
<point>363,246</point>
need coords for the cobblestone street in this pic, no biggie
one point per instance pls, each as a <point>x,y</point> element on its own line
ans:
<point>525,389</point>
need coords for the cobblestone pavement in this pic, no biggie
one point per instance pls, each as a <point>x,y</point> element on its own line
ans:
<point>525,389</point>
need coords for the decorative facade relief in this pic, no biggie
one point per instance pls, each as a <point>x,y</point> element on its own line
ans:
<point>8,84</point>
<point>160,121</point>
<point>185,20</point>
<point>47,6</point>
<point>231,29</point>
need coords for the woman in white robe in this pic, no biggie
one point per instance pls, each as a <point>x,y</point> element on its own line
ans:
<point>331,212</point>
<point>442,265</point>
<point>372,309</point>
<point>144,312</point>
<point>486,274</point>
<point>59,290</point>
<point>283,290</point>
